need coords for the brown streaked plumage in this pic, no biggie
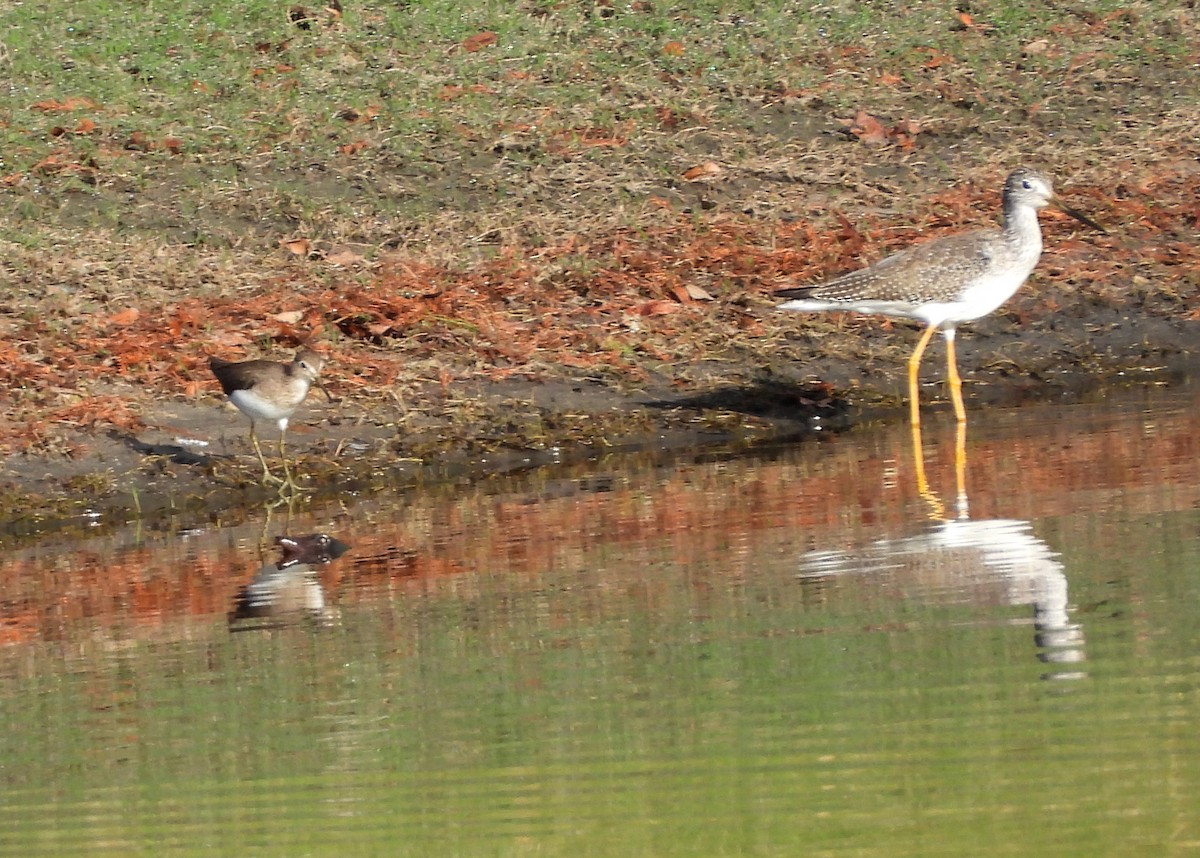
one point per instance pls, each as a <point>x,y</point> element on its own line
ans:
<point>958,278</point>
<point>269,390</point>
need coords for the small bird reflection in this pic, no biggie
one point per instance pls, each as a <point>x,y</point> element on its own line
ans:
<point>979,560</point>
<point>288,592</point>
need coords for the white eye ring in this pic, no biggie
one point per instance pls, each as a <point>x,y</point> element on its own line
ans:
<point>1026,184</point>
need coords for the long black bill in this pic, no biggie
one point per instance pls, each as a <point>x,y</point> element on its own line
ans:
<point>1079,216</point>
<point>329,396</point>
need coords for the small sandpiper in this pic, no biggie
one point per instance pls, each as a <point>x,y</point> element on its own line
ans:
<point>946,281</point>
<point>269,390</point>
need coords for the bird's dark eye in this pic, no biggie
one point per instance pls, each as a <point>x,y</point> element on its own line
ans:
<point>1027,185</point>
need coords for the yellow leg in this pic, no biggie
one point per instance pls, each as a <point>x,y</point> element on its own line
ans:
<point>960,469</point>
<point>953,377</point>
<point>914,366</point>
<point>289,486</point>
<point>937,510</point>
<point>288,481</point>
<point>268,477</point>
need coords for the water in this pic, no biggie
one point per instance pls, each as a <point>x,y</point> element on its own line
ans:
<point>805,651</point>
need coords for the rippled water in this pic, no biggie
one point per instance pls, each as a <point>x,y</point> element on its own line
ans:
<point>809,650</point>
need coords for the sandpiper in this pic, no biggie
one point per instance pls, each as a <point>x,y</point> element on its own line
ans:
<point>269,390</point>
<point>946,281</point>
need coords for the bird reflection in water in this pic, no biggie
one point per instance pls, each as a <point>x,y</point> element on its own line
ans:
<point>290,591</point>
<point>958,558</point>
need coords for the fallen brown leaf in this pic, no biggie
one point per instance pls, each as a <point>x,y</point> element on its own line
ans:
<point>701,172</point>
<point>479,41</point>
<point>868,129</point>
<point>73,103</point>
<point>658,308</point>
<point>125,317</point>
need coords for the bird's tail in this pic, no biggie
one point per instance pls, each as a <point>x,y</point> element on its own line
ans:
<point>796,292</point>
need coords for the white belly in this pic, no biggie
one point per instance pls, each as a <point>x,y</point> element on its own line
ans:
<point>257,408</point>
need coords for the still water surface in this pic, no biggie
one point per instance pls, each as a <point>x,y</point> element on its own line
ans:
<point>799,651</point>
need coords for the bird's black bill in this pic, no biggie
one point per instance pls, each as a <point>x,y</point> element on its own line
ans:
<point>324,390</point>
<point>1082,218</point>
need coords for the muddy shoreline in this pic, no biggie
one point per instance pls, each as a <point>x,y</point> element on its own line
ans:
<point>191,461</point>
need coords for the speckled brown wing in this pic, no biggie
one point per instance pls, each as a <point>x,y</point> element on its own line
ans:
<point>937,270</point>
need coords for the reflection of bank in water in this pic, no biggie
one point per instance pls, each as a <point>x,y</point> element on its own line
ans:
<point>958,560</point>
<point>288,592</point>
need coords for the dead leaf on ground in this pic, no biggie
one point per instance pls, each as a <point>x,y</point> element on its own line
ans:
<point>57,163</point>
<point>667,117</point>
<point>139,142</point>
<point>298,246</point>
<point>868,129</point>
<point>905,131</point>
<point>228,338</point>
<point>966,21</point>
<point>126,317</point>
<point>703,172</point>
<point>479,41</point>
<point>871,131</point>
<point>936,59</point>
<point>72,103</point>
<point>658,308</point>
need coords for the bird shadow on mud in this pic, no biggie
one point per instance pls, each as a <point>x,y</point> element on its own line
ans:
<point>176,453</point>
<point>792,406</point>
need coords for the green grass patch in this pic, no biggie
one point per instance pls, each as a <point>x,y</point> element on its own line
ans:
<point>432,124</point>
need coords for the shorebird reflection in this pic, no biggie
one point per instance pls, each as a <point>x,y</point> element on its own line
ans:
<point>960,559</point>
<point>289,591</point>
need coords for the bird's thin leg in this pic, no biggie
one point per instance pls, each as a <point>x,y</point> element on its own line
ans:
<point>937,510</point>
<point>953,377</point>
<point>960,469</point>
<point>268,477</point>
<point>288,482</point>
<point>289,486</point>
<point>914,366</point>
